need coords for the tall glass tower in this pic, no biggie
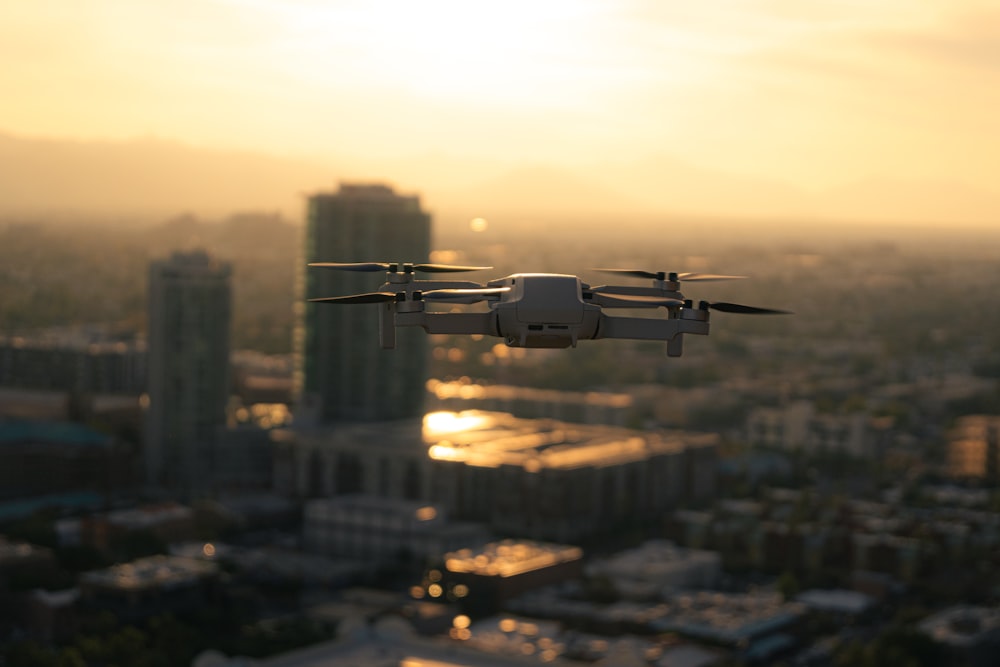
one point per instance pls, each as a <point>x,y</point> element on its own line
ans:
<point>343,375</point>
<point>188,386</point>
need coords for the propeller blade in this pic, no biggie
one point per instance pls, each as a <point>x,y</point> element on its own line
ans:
<point>396,267</point>
<point>447,268</point>
<point>632,300</point>
<point>665,275</point>
<point>724,307</point>
<point>464,295</point>
<point>353,266</point>
<point>638,273</point>
<point>705,277</point>
<point>370,297</point>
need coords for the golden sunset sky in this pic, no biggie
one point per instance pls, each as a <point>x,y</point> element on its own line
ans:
<point>815,94</point>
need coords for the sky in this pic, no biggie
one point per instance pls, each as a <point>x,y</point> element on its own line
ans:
<point>814,93</point>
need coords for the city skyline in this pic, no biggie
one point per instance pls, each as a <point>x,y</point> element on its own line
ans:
<point>777,473</point>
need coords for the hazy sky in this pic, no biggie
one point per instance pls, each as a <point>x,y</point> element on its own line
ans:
<point>816,93</point>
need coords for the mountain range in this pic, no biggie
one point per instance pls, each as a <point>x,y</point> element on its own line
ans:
<point>147,179</point>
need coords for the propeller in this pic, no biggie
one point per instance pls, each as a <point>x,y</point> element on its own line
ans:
<point>455,295</point>
<point>396,267</point>
<point>675,277</point>
<point>370,297</point>
<point>724,307</point>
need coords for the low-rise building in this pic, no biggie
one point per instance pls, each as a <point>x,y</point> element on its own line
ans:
<point>149,586</point>
<point>840,603</point>
<point>800,427</point>
<point>168,522</point>
<point>970,634</point>
<point>540,478</point>
<point>49,457</point>
<point>729,619</point>
<point>657,566</point>
<point>384,530</point>
<point>485,579</point>
<point>974,448</point>
<point>23,567</point>
<point>546,479</point>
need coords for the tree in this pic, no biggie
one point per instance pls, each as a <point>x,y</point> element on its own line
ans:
<point>900,646</point>
<point>788,585</point>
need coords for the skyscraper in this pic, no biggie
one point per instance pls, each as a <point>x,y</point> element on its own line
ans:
<point>343,374</point>
<point>189,320</point>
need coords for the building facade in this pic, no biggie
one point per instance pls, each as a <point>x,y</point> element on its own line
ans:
<point>799,426</point>
<point>189,321</point>
<point>342,374</point>
<point>384,530</point>
<point>45,458</point>
<point>974,448</point>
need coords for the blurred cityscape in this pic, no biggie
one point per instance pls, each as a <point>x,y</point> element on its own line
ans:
<point>199,468</point>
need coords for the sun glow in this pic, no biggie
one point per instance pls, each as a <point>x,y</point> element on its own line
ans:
<point>489,51</point>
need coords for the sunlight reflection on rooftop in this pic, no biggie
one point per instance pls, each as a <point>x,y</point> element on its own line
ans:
<point>509,558</point>
<point>494,439</point>
<point>442,423</point>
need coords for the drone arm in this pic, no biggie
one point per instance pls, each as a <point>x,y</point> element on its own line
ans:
<point>387,325</point>
<point>412,285</point>
<point>450,323</point>
<point>638,328</point>
<point>609,300</point>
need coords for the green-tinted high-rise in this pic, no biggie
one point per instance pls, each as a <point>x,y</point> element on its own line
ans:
<point>343,373</point>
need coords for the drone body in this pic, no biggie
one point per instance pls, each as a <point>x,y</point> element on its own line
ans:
<point>539,310</point>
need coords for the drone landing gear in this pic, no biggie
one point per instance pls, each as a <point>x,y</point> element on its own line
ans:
<point>675,346</point>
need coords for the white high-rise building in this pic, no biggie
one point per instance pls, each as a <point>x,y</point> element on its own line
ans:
<point>189,322</point>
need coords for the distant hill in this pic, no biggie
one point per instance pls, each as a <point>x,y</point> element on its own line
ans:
<point>542,191</point>
<point>894,200</point>
<point>147,178</point>
<point>150,179</point>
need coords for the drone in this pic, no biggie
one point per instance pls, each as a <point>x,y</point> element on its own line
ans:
<point>537,310</point>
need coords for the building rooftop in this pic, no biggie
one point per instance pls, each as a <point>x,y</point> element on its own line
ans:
<point>76,501</point>
<point>658,562</point>
<point>364,504</point>
<point>468,391</point>
<point>192,264</point>
<point>19,431</point>
<point>509,558</point>
<point>149,515</point>
<point>727,617</point>
<point>15,552</point>
<point>962,626</point>
<point>81,338</point>
<point>369,193</point>
<point>388,642</point>
<point>150,573</point>
<point>837,600</point>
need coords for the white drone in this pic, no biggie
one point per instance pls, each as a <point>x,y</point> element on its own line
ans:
<point>543,310</point>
